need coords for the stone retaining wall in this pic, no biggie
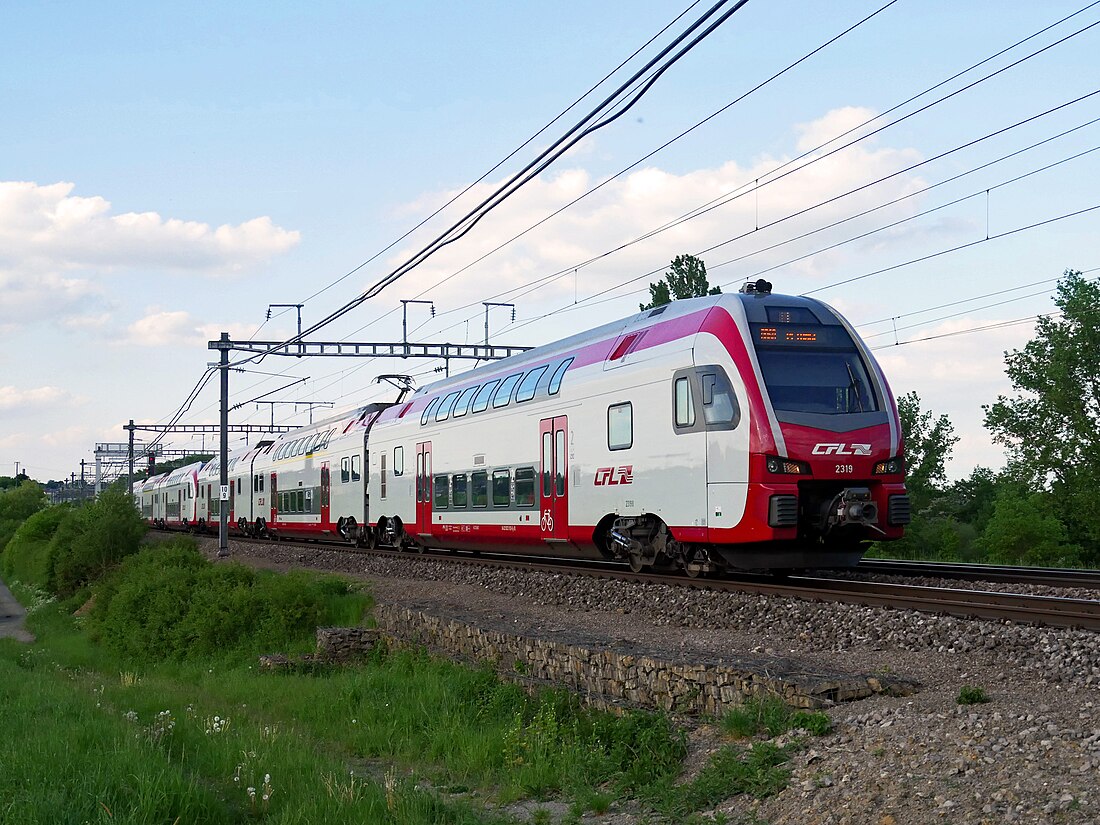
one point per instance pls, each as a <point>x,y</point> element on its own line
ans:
<point>611,675</point>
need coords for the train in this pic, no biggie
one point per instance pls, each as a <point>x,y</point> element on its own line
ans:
<point>747,430</point>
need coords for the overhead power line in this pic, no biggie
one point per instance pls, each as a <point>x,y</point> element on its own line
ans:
<point>753,186</point>
<point>624,97</point>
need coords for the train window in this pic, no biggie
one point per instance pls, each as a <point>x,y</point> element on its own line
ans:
<point>625,344</point>
<point>355,466</point>
<point>559,462</point>
<point>442,492</point>
<point>445,408</point>
<point>420,496</point>
<point>620,426</point>
<point>481,400</point>
<point>547,464</point>
<point>238,486</point>
<point>382,475</point>
<point>559,373</point>
<point>719,403</point>
<point>301,501</point>
<point>462,405</point>
<point>825,382</point>
<point>502,484</point>
<point>261,477</point>
<point>308,508</point>
<point>345,470</point>
<point>398,461</point>
<point>428,411</point>
<point>479,483</point>
<point>504,394</point>
<point>526,389</point>
<point>458,490</point>
<point>685,405</point>
<point>525,486</point>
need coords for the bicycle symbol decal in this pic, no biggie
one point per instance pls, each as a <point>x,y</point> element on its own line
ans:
<point>547,522</point>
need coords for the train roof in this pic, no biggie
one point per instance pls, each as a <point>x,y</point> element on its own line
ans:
<point>756,305</point>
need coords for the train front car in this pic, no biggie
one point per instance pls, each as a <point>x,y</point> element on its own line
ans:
<point>826,471</point>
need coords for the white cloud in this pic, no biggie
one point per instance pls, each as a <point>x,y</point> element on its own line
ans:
<point>956,375</point>
<point>163,328</point>
<point>13,399</point>
<point>650,197</point>
<point>32,296</point>
<point>47,228</point>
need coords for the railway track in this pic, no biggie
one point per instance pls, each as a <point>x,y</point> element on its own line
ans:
<point>1052,611</point>
<point>1048,576</point>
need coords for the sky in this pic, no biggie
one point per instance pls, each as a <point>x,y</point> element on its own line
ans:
<point>168,171</point>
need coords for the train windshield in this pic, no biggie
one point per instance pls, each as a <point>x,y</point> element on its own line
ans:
<point>819,372</point>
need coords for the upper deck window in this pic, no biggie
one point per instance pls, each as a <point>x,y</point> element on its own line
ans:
<point>462,405</point>
<point>503,395</point>
<point>559,374</point>
<point>526,390</point>
<point>445,408</point>
<point>481,400</point>
<point>429,410</point>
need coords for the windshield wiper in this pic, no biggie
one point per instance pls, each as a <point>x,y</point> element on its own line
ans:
<point>854,385</point>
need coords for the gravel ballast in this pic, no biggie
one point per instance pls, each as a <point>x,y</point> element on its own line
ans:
<point>1030,755</point>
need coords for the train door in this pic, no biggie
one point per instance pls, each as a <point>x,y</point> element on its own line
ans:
<point>274,493</point>
<point>325,494</point>
<point>424,488</point>
<point>232,501</point>
<point>727,450</point>
<point>554,486</point>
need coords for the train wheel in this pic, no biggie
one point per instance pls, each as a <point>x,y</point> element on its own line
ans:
<point>634,559</point>
<point>696,563</point>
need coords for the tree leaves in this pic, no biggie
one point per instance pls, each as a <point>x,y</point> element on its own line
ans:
<point>686,278</point>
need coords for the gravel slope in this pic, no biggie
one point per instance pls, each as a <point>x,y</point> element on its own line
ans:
<point>1030,755</point>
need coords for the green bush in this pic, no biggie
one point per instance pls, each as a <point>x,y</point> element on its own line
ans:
<point>168,602</point>
<point>971,695</point>
<point>26,557</point>
<point>92,540</point>
<point>1024,530</point>
<point>17,504</point>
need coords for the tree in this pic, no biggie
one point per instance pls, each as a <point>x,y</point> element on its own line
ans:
<point>17,504</point>
<point>928,443</point>
<point>1051,426</point>
<point>686,278</point>
<point>1024,530</point>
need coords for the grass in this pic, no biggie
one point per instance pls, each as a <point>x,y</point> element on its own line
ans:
<point>770,715</point>
<point>157,721</point>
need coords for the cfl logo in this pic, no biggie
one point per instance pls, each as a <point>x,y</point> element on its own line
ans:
<point>615,475</point>
<point>841,449</point>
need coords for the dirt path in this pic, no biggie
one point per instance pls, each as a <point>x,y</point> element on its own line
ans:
<point>12,615</point>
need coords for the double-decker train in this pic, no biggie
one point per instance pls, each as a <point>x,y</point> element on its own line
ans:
<point>745,430</point>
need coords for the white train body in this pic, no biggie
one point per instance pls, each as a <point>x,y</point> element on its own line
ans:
<point>655,440</point>
<point>751,430</point>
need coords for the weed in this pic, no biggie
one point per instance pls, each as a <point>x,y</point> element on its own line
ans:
<point>772,716</point>
<point>971,695</point>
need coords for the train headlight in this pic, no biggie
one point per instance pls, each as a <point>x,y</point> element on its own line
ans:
<point>890,467</point>
<point>786,466</point>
